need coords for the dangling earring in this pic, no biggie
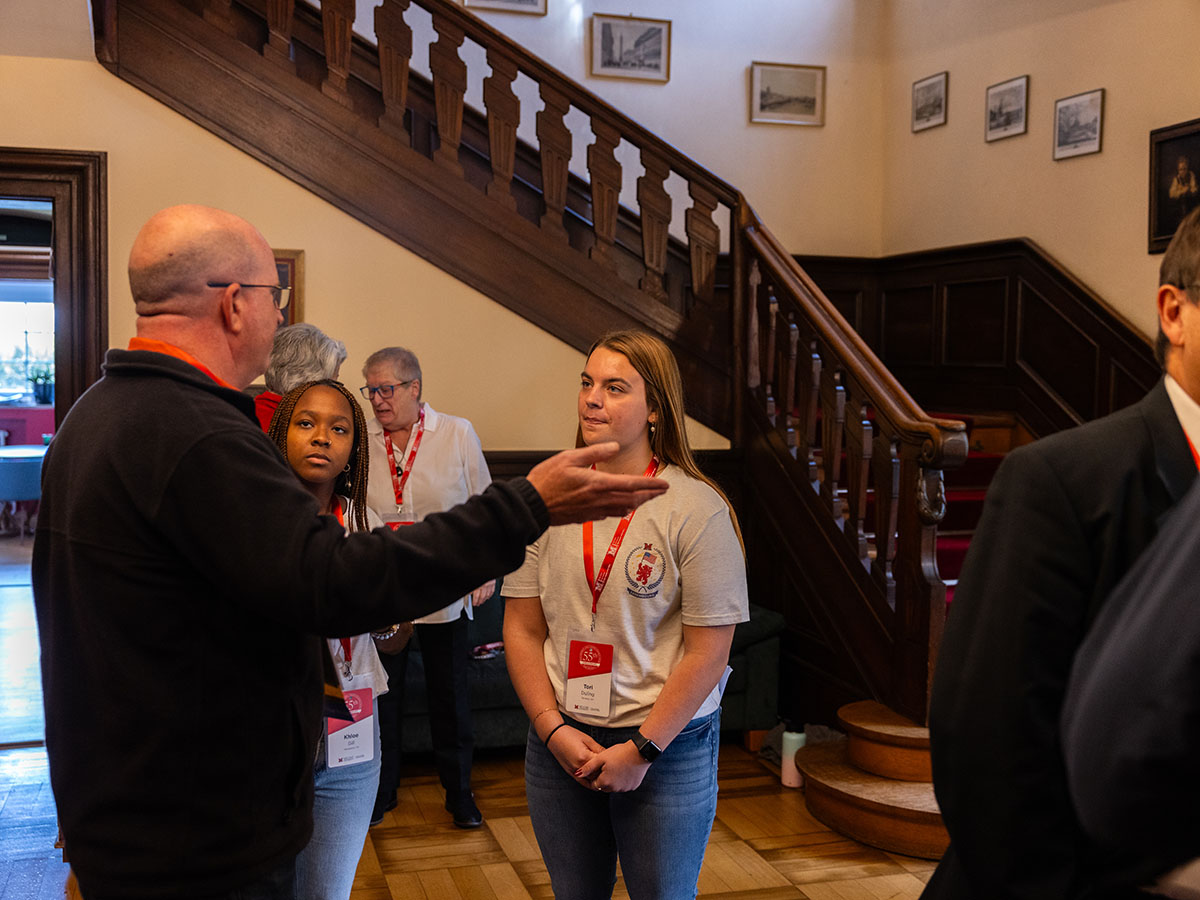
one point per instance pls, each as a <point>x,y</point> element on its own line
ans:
<point>347,469</point>
<point>651,429</point>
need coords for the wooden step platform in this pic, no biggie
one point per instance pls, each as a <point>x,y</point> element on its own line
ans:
<point>885,743</point>
<point>899,816</point>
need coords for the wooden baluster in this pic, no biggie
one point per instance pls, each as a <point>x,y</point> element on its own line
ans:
<point>834,423</point>
<point>793,345</point>
<point>655,205</point>
<point>337,17</point>
<point>278,47</point>
<point>859,478</point>
<point>503,116</point>
<point>554,141</point>
<point>704,239</point>
<point>219,13</point>
<point>770,406</point>
<point>605,173</point>
<point>813,395</point>
<point>395,51</point>
<point>772,315</point>
<point>887,509</point>
<point>753,364</point>
<point>449,86</point>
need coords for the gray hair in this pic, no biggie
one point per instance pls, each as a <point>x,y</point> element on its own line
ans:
<point>402,360</point>
<point>301,353</point>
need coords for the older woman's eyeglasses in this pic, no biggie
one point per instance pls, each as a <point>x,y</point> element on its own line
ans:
<point>384,390</point>
<point>280,294</point>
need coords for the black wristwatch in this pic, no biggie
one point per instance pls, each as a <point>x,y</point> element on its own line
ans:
<point>649,750</point>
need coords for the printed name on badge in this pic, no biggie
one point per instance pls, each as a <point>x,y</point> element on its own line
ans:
<point>589,677</point>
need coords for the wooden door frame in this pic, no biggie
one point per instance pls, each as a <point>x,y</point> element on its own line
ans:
<point>77,184</point>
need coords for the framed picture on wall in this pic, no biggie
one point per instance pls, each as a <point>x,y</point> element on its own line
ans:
<point>929,101</point>
<point>1007,105</point>
<point>1078,123</point>
<point>630,47</point>
<point>783,94</point>
<point>531,7</point>
<point>1174,186</point>
<point>290,266</point>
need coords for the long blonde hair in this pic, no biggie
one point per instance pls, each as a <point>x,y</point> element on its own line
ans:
<point>654,361</point>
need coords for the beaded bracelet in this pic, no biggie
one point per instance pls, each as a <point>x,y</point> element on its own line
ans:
<point>388,633</point>
<point>533,721</point>
<point>546,739</point>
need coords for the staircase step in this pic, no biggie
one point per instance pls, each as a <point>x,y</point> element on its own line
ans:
<point>951,551</point>
<point>900,816</point>
<point>885,743</point>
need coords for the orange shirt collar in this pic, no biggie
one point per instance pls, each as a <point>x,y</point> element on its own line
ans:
<point>154,346</point>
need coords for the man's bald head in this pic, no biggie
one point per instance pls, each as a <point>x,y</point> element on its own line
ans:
<point>182,248</point>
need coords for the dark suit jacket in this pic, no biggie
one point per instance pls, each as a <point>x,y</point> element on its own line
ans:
<point>1064,519</point>
<point>1131,722</point>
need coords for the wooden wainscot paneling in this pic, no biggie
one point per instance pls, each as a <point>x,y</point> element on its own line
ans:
<point>1057,355</point>
<point>908,325</point>
<point>974,317</point>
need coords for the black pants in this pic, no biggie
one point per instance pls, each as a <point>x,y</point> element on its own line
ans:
<point>446,656</point>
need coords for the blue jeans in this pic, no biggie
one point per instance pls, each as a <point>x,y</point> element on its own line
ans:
<point>659,831</point>
<point>342,807</point>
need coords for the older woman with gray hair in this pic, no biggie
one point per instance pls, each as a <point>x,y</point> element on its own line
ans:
<point>300,353</point>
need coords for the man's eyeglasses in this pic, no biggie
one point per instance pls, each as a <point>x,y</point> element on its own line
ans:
<point>280,295</point>
<point>384,390</point>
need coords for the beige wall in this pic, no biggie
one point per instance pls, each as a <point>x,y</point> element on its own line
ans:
<point>514,381</point>
<point>861,185</point>
<point>947,186</point>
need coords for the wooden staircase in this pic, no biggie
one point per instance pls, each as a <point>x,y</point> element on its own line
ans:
<point>875,785</point>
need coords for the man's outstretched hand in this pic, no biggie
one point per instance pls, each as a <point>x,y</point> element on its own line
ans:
<point>574,492</point>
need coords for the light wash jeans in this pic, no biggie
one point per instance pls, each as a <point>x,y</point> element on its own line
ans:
<point>659,831</point>
<point>342,807</point>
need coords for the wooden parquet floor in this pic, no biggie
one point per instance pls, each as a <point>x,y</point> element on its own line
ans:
<point>764,845</point>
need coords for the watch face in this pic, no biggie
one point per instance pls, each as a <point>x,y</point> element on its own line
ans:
<point>646,747</point>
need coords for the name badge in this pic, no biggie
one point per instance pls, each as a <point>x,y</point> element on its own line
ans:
<point>589,674</point>
<point>348,743</point>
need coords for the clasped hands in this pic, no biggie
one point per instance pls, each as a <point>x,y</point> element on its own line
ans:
<point>614,769</point>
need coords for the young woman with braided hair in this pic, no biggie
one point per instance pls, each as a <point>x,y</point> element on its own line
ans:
<point>320,429</point>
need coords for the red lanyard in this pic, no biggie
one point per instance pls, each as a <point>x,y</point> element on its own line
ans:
<point>597,582</point>
<point>400,478</point>
<point>337,511</point>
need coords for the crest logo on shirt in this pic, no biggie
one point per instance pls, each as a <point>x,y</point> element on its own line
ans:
<point>645,568</point>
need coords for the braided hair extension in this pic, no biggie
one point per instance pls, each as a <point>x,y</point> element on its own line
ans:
<point>352,484</point>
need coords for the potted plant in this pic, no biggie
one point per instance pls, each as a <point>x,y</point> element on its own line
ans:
<point>42,379</point>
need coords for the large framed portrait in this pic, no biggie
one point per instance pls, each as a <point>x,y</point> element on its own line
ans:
<point>1007,108</point>
<point>1174,189</point>
<point>631,47</point>
<point>784,94</point>
<point>290,266</point>
<point>929,101</point>
<point>1078,124</point>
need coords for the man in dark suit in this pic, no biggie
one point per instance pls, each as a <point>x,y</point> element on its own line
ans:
<point>1065,518</point>
<point>1131,721</point>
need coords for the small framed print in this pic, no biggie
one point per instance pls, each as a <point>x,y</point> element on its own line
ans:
<point>630,47</point>
<point>290,266</point>
<point>1007,105</point>
<point>529,7</point>
<point>929,101</point>
<point>783,94</point>
<point>1078,124</point>
<point>1174,185</point>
